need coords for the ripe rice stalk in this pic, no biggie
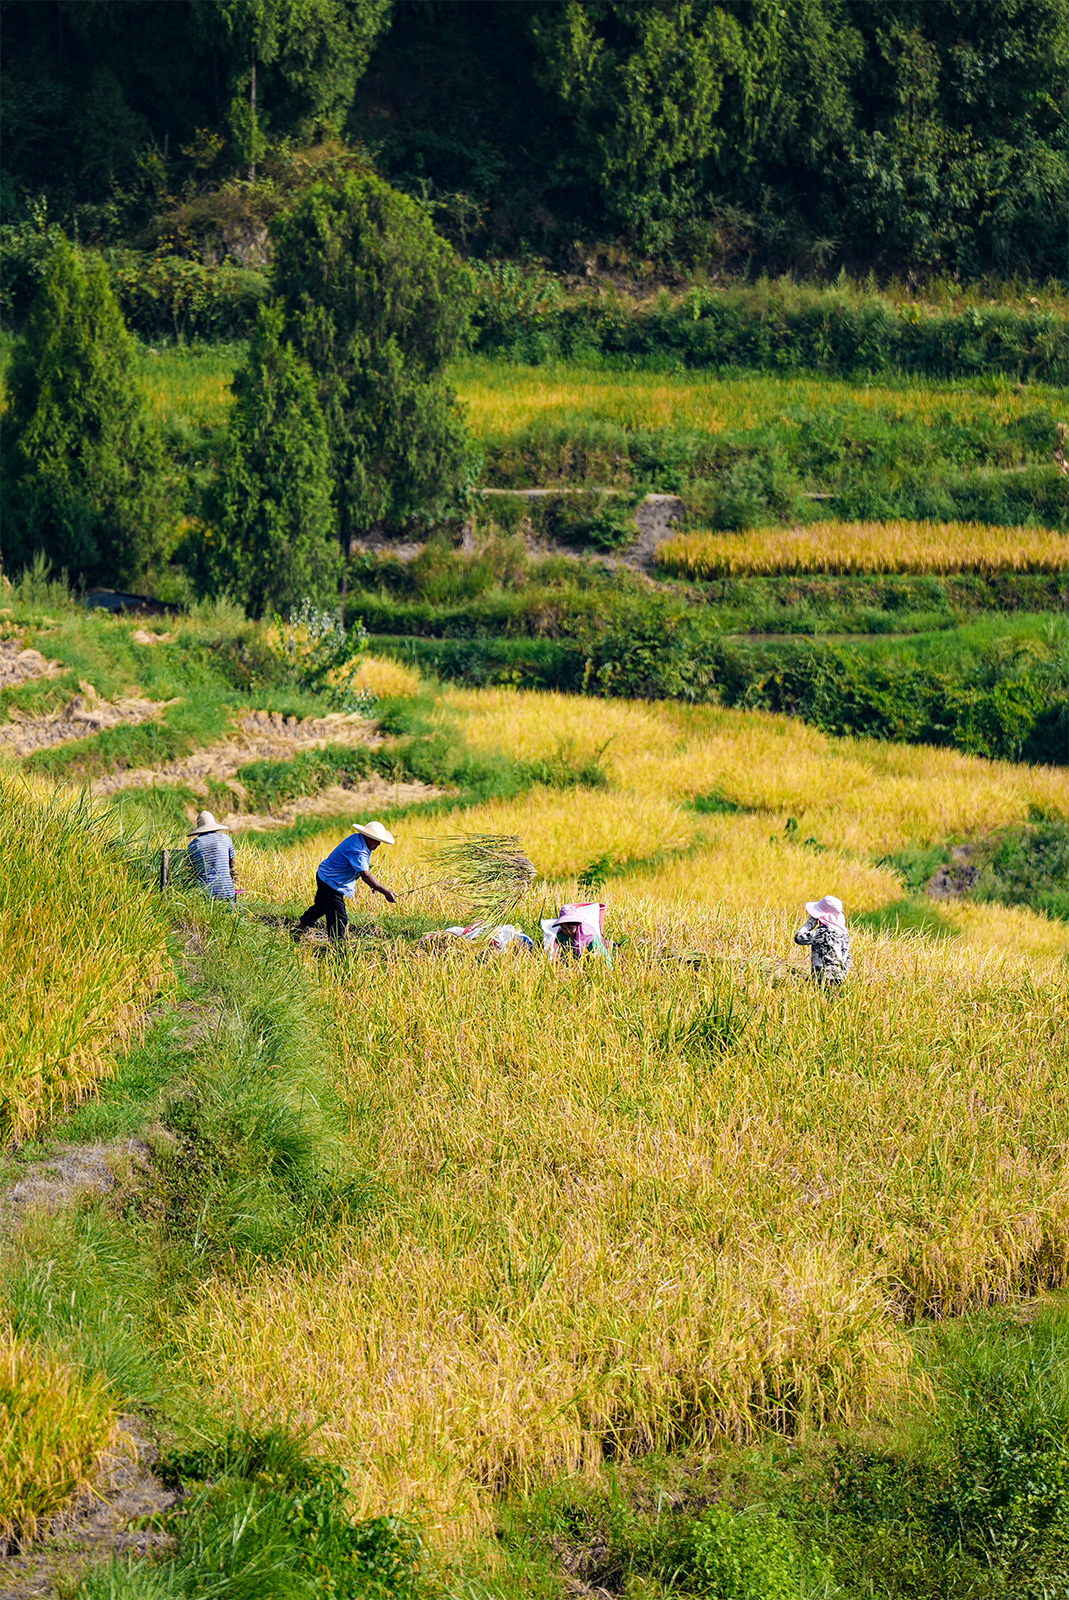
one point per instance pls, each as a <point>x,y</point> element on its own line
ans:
<point>84,946</point>
<point>860,547</point>
<point>55,1428</point>
<point>488,869</point>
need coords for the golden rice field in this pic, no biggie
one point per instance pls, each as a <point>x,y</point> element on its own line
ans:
<point>89,954</point>
<point>861,547</point>
<point>686,1196</point>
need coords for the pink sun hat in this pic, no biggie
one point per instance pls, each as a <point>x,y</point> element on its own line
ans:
<point>829,911</point>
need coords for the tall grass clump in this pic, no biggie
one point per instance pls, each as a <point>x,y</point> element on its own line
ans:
<point>55,1428</point>
<point>256,1159</point>
<point>84,947</point>
<point>860,547</point>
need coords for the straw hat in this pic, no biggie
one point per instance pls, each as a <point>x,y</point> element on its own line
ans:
<point>829,911</point>
<point>374,830</point>
<point>206,823</point>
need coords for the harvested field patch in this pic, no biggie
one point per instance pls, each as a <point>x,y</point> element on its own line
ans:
<point>259,736</point>
<point>338,800</point>
<point>18,665</point>
<point>82,717</point>
<point>65,1173</point>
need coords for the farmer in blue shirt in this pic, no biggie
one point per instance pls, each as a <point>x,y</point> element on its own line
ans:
<point>337,875</point>
<point>211,856</point>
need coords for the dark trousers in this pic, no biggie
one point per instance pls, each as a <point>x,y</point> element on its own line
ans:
<point>329,903</point>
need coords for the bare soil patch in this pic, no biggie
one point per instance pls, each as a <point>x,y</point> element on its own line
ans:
<point>66,1172</point>
<point>259,736</point>
<point>956,877</point>
<point>338,800</point>
<point>144,636</point>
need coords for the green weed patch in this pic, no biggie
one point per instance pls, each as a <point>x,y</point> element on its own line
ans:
<point>779,326</point>
<point>260,1516</point>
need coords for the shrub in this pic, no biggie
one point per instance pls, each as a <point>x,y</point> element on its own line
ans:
<point>260,1518</point>
<point>1029,866</point>
<point>737,1556</point>
<point>167,296</point>
<point>777,326</point>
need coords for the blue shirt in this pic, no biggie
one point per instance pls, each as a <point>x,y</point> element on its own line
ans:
<point>344,864</point>
<point>212,855</point>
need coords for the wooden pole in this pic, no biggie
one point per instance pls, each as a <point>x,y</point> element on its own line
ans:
<point>165,868</point>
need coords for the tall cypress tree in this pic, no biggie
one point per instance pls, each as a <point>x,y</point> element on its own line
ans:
<point>378,304</point>
<point>272,533</point>
<point>82,460</point>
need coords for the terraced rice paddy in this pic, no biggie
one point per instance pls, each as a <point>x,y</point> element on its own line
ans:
<point>866,547</point>
<point>688,1196</point>
<point>503,399</point>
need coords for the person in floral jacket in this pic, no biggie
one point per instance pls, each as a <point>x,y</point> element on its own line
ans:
<point>825,932</point>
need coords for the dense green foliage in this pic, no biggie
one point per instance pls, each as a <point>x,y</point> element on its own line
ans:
<point>96,99</point>
<point>377,304</point>
<point>271,535</point>
<point>773,326</point>
<point>796,135</point>
<point>82,463</point>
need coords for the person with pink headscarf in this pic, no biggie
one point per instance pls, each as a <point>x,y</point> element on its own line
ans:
<point>579,930</point>
<point>825,932</point>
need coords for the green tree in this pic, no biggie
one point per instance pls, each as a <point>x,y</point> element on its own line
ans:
<point>378,304</point>
<point>644,84</point>
<point>82,461</point>
<point>304,56</point>
<point>679,97</point>
<point>271,537</point>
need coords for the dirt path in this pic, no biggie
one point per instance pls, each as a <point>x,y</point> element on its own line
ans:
<point>125,1489</point>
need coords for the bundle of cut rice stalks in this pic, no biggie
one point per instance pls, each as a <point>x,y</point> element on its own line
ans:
<point>488,869</point>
